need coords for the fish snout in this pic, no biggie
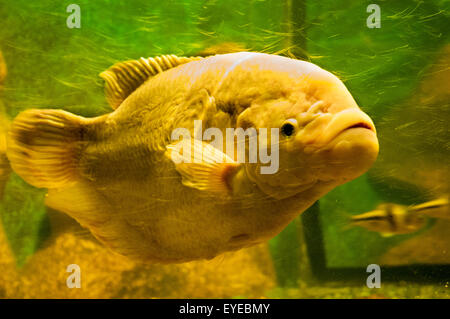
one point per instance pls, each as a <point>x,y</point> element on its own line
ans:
<point>350,143</point>
<point>342,145</point>
<point>347,120</point>
<point>325,127</point>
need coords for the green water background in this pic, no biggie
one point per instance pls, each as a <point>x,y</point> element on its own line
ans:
<point>52,66</point>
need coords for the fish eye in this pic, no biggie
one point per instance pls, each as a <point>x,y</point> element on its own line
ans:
<point>288,128</point>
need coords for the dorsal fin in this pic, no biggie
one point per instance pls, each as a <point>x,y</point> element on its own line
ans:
<point>125,77</point>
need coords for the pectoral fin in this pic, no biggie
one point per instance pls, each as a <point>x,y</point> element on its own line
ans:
<point>202,166</point>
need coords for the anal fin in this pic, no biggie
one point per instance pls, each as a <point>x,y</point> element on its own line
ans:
<point>81,202</point>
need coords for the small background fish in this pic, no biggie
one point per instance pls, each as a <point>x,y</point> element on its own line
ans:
<point>393,219</point>
<point>390,219</point>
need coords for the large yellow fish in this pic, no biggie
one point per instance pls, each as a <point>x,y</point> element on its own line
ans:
<point>118,175</point>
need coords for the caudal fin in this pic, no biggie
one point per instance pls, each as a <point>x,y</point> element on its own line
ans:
<point>43,147</point>
<point>3,69</point>
<point>4,163</point>
<point>438,208</point>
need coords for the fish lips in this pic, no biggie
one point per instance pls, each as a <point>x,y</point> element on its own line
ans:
<point>322,131</point>
<point>348,120</point>
<point>347,145</point>
<point>346,129</point>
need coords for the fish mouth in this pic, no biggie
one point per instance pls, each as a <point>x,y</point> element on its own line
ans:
<point>353,119</point>
<point>361,125</point>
